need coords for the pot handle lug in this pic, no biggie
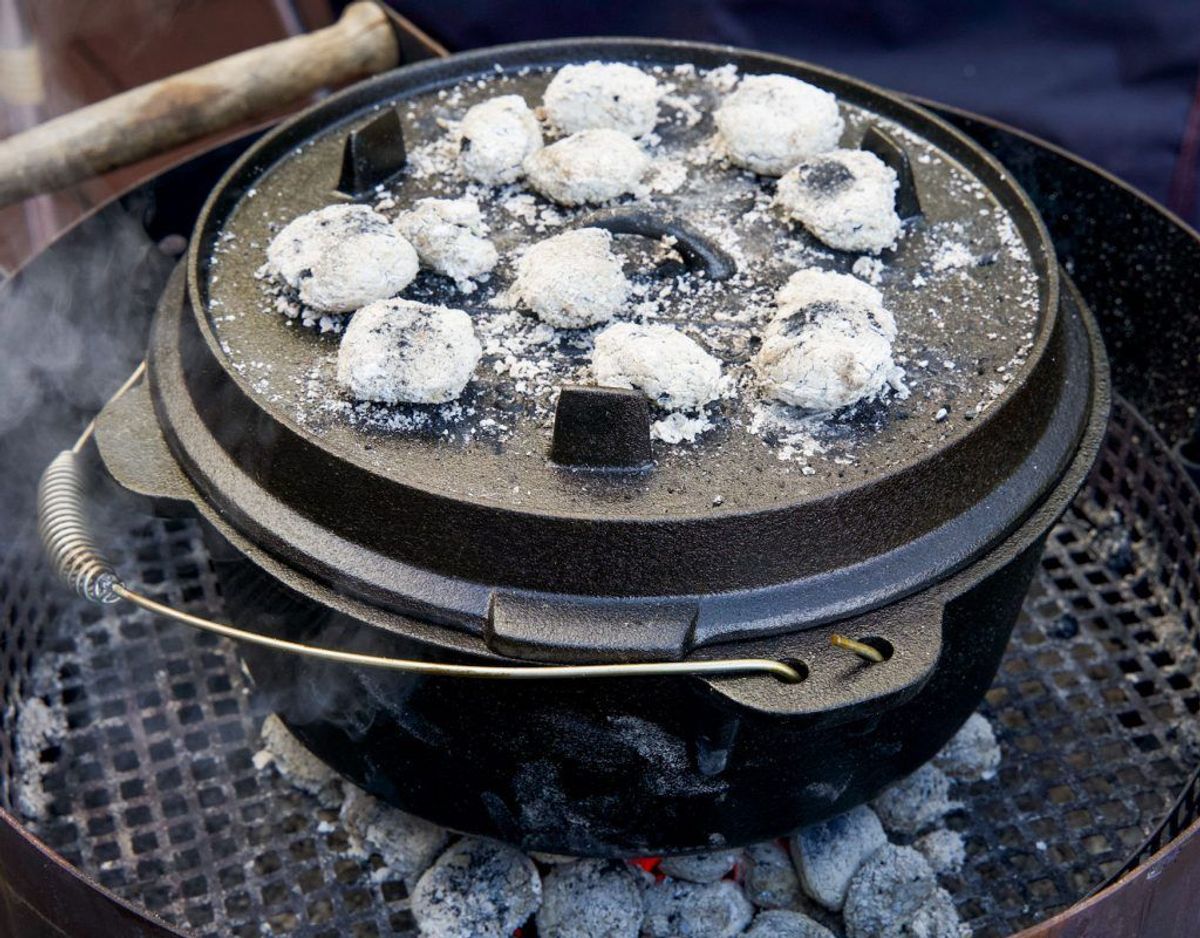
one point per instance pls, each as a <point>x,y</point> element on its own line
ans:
<point>537,628</point>
<point>840,683</point>
<point>136,455</point>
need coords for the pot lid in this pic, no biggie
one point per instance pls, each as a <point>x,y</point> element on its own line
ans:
<point>435,510</point>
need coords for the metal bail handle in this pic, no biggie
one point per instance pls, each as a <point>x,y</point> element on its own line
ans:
<point>71,549</point>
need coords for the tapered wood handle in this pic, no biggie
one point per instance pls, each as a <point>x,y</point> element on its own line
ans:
<point>152,118</point>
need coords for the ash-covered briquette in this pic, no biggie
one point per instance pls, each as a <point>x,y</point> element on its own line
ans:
<point>960,284</point>
<point>779,923</point>
<point>770,878</point>
<point>895,894</point>
<point>399,350</point>
<point>658,360</point>
<point>701,867</point>
<point>478,888</point>
<point>448,235</point>
<point>677,909</point>
<point>772,122</point>
<point>408,845</point>
<point>972,753</point>
<point>295,763</point>
<point>829,345</point>
<point>846,198</point>
<point>917,802</point>
<point>495,138</point>
<point>828,854</point>
<point>944,849</point>
<point>572,280</point>
<point>590,899</point>
<point>588,168</point>
<point>341,257</point>
<point>609,95</point>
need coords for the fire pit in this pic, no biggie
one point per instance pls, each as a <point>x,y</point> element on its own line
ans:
<point>1079,573</point>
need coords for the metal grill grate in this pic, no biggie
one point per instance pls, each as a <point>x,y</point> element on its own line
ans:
<point>154,791</point>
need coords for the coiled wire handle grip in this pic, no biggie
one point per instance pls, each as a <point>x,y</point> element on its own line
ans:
<point>63,527</point>
<point>66,536</point>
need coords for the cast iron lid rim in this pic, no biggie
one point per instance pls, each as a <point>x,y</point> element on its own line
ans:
<point>722,621</point>
<point>362,98</point>
<point>456,642</point>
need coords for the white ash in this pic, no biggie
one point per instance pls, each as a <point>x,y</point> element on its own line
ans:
<point>845,198</point>
<point>944,849</point>
<point>735,210</point>
<point>407,845</point>
<point>572,280</point>
<point>658,360</point>
<point>39,726</point>
<point>588,168</point>
<point>590,899</point>
<point>972,752</point>
<point>770,880</point>
<point>807,293</point>
<point>916,803</point>
<point>676,909</point>
<point>495,137</point>
<point>829,344</point>
<point>828,854</point>
<point>341,257</point>
<point>476,889</point>
<point>400,350</point>
<point>953,256</point>
<point>772,122</point>
<point>609,95</point>
<point>701,867</point>
<point>448,235</point>
<point>828,365</point>
<point>868,268</point>
<point>936,918</point>
<point>677,427</point>
<point>887,893</point>
<point>295,764</point>
<point>780,923</point>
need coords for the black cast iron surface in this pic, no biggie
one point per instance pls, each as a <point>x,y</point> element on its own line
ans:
<point>431,529</point>
<point>1118,261</point>
<point>154,791</point>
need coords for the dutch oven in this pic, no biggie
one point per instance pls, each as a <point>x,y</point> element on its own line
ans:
<point>697,671</point>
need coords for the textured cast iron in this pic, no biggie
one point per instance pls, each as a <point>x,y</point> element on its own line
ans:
<point>397,542</point>
<point>1071,720</point>
<point>561,768</point>
<point>623,767</point>
<point>156,796</point>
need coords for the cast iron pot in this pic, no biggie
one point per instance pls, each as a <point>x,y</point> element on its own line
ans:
<point>927,563</point>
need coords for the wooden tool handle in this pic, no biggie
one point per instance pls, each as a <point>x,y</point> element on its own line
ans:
<point>144,121</point>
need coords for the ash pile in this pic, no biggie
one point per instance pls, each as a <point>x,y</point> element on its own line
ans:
<point>870,873</point>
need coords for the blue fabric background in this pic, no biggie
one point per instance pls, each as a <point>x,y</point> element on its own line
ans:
<point>1112,80</point>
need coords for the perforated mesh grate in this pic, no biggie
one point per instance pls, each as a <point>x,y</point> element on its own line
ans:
<point>155,793</point>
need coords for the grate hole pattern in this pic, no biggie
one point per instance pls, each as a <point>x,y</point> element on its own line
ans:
<point>154,791</point>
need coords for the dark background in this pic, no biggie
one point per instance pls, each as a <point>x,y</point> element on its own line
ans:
<point>1116,81</point>
<point>1113,80</point>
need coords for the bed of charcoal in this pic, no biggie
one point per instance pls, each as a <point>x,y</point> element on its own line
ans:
<point>961,285</point>
<point>152,786</point>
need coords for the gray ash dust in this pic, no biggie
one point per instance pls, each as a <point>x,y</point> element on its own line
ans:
<point>961,284</point>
